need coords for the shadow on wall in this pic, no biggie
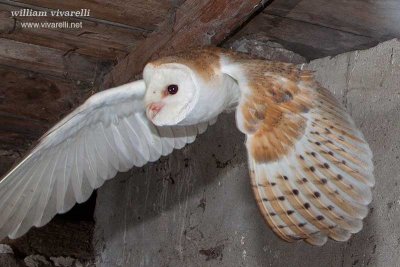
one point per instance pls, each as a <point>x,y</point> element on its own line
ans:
<point>167,183</point>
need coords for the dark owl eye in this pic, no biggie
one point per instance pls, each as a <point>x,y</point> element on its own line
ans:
<point>172,89</point>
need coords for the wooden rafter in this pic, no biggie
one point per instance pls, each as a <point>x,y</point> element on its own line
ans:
<point>194,23</point>
<point>49,61</point>
<point>93,39</point>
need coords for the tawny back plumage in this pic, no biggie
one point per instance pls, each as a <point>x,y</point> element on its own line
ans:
<point>205,62</point>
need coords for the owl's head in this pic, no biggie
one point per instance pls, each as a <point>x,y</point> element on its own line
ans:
<point>188,88</point>
<point>171,93</point>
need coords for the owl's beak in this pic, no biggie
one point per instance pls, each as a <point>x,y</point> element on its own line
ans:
<point>153,109</point>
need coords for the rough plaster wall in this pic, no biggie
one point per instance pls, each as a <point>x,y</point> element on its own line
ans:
<point>195,208</point>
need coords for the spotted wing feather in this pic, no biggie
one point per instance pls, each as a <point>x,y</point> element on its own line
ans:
<point>311,168</point>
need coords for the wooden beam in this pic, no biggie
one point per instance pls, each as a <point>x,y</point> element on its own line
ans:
<point>377,19</point>
<point>144,15</point>
<point>307,39</point>
<point>94,39</point>
<point>194,23</point>
<point>49,61</point>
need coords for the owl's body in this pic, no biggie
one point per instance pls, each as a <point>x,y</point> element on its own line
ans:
<point>310,168</point>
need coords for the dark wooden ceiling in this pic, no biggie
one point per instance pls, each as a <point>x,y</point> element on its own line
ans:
<point>112,30</point>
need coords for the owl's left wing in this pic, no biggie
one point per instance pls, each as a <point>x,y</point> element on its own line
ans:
<point>108,133</point>
<point>311,168</point>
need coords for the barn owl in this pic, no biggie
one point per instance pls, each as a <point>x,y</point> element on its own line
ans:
<point>310,167</point>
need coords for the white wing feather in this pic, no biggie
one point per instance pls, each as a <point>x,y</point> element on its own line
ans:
<point>108,133</point>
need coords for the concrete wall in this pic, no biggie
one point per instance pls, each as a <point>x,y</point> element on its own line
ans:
<point>195,207</point>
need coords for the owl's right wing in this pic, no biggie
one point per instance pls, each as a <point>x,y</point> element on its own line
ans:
<point>108,133</point>
<point>311,168</point>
